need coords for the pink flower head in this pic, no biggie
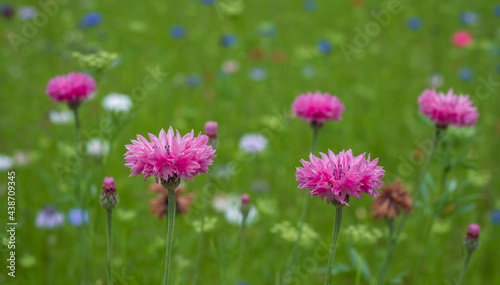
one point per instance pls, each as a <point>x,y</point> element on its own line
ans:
<point>462,39</point>
<point>337,177</point>
<point>211,129</point>
<point>169,156</point>
<point>448,109</point>
<point>473,231</point>
<point>72,88</point>
<point>317,107</point>
<point>245,199</point>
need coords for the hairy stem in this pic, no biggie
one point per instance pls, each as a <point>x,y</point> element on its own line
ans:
<point>333,247</point>
<point>170,231</point>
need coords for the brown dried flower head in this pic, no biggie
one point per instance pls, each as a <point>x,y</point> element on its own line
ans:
<point>159,205</point>
<point>392,199</point>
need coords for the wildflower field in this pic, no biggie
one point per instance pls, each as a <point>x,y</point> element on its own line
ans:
<point>289,142</point>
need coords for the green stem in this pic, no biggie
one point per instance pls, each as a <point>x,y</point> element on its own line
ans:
<point>170,231</point>
<point>242,248</point>
<point>464,269</point>
<point>390,250</point>
<point>333,247</point>
<point>80,193</point>
<point>305,206</point>
<point>110,244</point>
<point>202,231</point>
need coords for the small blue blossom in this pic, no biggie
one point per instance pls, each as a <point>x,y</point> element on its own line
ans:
<point>253,143</point>
<point>193,80</point>
<point>468,18</point>
<point>77,217</point>
<point>324,46</point>
<point>495,217</point>
<point>207,1</point>
<point>49,218</point>
<point>91,19</point>
<point>27,13</point>
<point>267,29</point>
<point>177,32</point>
<point>228,40</point>
<point>465,73</point>
<point>309,71</point>
<point>496,10</point>
<point>498,68</point>
<point>258,74</point>
<point>414,23</point>
<point>310,5</point>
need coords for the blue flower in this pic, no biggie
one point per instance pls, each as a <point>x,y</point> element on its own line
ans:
<point>414,23</point>
<point>77,217</point>
<point>27,12</point>
<point>207,1</point>
<point>49,218</point>
<point>91,19</point>
<point>7,11</point>
<point>309,71</point>
<point>258,74</point>
<point>324,46</point>
<point>177,32</point>
<point>498,68</point>
<point>495,217</point>
<point>468,18</point>
<point>228,40</point>
<point>193,80</point>
<point>496,10</point>
<point>266,30</point>
<point>465,73</point>
<point>310,5</point>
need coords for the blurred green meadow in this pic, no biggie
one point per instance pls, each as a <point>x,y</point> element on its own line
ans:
<point>378,64</point>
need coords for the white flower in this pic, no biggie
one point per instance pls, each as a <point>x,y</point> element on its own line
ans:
<point>253,143</point>
<point>230,206</point>
<point>6,162</point>
<point>60,117</point>
<point>221,203</point>
<point>97,148</point>
<point>117,102</point>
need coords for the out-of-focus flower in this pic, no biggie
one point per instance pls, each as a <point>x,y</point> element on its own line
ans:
<point>391,201</point>
<point>436,80</point>
<point>211,128</point>
<point>471,242</point>
<point>72,88</point>
<point>159,205</point>
<point>49,218</point>
<point>448,109</point>
<point>193,80</point>
<point>230,66</point>
<point>362,235</point>
<point>495,217</point>
<point>91,19</point>
<point>253,143</point>
<point>259,186</point>
<point>27,12</point>
<point>440,227</point>
<point>27,260</point>
<point>97,62</point>
<point>289,233</point>
<point>468,18</point>
<point>462,39</point>
<point>234,216</point>
<point>324,46</point>
<point>228,40</point>
<point>318,107</point>
<point>309,71</point>
<point>414,23</point>
<point>496,10</point>
<point>257,74</point>
<point>21,158</point>
<point>78,217</point>
<point>116,102</point>
<point>221,203</point>
<point>97,148</point>
<point>310,5</point>
<point>208,225</point>
<point>245,205</point>
<point>230,8</point>
<point>169,156</point>
<point>266,29</point>
<point>338,177</point>
<point>465,73</point>
<point>6,162</point>
<point>7,11</point>
<point>207,1</point>
<point>256,54</point>
<point>277,56</point>
<point>60,117</point>
<point>177,32</point>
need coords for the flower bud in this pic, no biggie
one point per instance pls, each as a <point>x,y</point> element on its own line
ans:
<point>471,241</point>
<point>109,197</point>
<point>211,131</point>
<point>245,205</point>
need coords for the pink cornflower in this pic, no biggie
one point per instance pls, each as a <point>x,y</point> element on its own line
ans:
<point>448,109</point>
<point>72,88</point>
<point>337,177</point>
<point>462,39</point>
<point>169,157</point>
<point>317,108</point>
